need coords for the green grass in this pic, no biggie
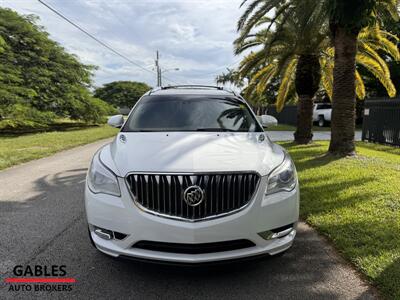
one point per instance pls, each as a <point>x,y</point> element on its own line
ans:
<point>285,127</point>
<point>281,127</point>
<point>356,203</point>
<point>18,127</point>
<point>16,149</point>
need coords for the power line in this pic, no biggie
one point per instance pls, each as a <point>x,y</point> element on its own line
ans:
<point>97,40</point>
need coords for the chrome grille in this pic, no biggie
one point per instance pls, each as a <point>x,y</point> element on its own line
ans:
<point>162,194</point>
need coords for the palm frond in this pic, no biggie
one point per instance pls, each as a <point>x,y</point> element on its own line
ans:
<point>390,6</point>
<point>375,68</point>
<point>366,50</point>
<point>251,62</point>
<point>254,12</point>
<point>264,76</point>
<point>360,87</point>
<point>375,38</point>
<point>327,75</point>
<point>287,81</point>
<point>249,10</point>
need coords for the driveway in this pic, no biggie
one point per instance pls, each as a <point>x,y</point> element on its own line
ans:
<point>42,222</point>
<point>318,135</point>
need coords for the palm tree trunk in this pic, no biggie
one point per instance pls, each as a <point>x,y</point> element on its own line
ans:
<point>344,93</point>
<point>308,76</point>
<point>303,134</point>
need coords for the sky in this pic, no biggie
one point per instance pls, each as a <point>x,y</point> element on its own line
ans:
<point>193,35</point>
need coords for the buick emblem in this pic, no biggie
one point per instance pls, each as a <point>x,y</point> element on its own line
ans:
<point>193,195</point>
<point>122,138</point>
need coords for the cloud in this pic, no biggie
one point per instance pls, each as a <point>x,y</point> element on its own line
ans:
<point>193,35</point>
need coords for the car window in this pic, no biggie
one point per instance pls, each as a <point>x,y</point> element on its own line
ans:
<point>191,113</point>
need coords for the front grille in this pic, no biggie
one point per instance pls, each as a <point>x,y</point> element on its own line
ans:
<point>222,193</point>
<point>194,248</point>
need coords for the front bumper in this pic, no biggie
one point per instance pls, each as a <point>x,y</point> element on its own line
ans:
<point>120,214</point>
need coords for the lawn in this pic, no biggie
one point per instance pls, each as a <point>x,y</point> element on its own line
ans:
<point>16,149</point>
<point>355,202</point>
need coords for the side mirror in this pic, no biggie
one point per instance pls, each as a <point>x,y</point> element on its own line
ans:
<point>268,121</point>
<point>116,121</point>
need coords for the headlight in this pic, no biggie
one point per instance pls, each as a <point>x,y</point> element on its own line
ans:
<point>101,179</point>
<point>283,178</point>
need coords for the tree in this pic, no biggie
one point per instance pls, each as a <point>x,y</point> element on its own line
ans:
<point>257,101</point>
<point>122,93</point>
<point>347,19</point>
<point>373,87</point>
<point>38,74</point>
<point>284,12</point>
<point>292,54</point>
<point>373,47</point>
<point>232,76</point>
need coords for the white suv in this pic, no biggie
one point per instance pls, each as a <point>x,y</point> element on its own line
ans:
<point>191,178</point>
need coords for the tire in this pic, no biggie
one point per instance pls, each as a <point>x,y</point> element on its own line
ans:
<point>321,121</point>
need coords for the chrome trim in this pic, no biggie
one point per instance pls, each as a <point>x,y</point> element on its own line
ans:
<point>193,173</point>
<point>269,234</point>
<point>99,232</point>
<point>185,198</point>
<point>282,233</point>
<point>221,215</point>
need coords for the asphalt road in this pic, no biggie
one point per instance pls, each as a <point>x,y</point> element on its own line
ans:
<point>42,222</point>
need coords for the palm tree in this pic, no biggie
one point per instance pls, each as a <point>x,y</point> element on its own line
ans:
<point>372,42</point>
<point>347,19</point>
<point>291,52</point>
<point>232,77</point>
<point>285,10</point>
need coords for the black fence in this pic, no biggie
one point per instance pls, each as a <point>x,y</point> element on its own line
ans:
<point>287,116</point>
<point>382,122</point>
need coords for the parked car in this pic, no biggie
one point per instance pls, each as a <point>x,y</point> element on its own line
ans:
<point>192,178</point>
<point>322,113</point>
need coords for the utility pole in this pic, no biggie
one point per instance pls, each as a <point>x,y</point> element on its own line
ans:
<point>158,69</point>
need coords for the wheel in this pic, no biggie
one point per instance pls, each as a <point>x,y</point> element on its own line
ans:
<point>321,121</point>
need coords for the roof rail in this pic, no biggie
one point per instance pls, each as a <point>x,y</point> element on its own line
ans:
<point>187,86</point>
<point>158,88</point>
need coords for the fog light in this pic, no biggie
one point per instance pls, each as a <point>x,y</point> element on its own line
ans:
<point>109,234</point>
<point>276,233</point>
<point>104,233</point>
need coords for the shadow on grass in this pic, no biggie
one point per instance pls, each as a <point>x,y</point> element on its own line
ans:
<point>330,196</point>
<point>291,144</point>
<point>378,147</point>
<point>313,201</point>
<point>370,245</point>
<point>67,126</point>
<point>390,279</point>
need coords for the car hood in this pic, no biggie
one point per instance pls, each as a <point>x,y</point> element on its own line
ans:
<point>188,152</point>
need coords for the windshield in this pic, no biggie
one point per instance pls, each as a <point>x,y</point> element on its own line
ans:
<point>191,113</point>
